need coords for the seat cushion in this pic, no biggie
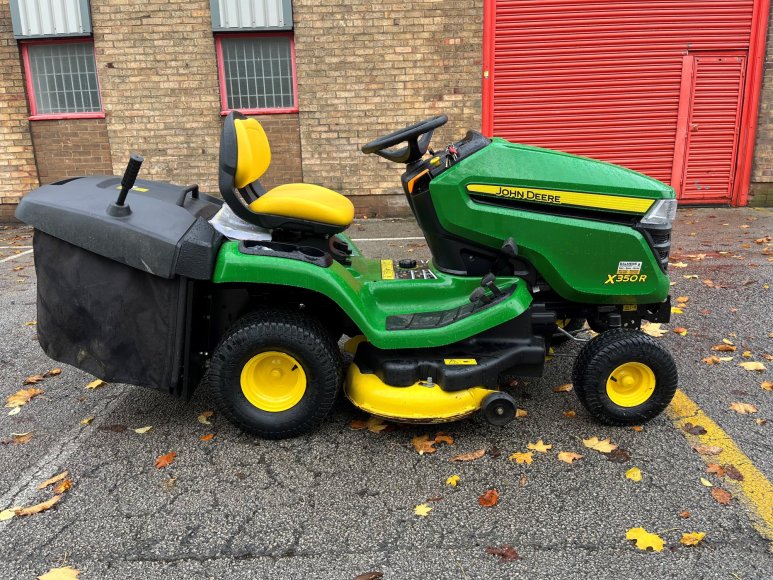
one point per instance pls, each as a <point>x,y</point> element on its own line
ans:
<point>305,201</point>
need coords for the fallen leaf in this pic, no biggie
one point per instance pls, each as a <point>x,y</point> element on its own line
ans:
<point>706,482</point>
<point>8,514</point>
<point>369,576</point>
<point>521,413</point>
<point>634,474</point>
<point>444,438</point>
<point>142,430</point>
<point>52,480</point>
<point>170,483</point>
<point>539,446</point>
<point>563,388</point>
<point>204,417</point>
<point>653,329</point>
<point>505,552</point>
<point>20,438</point>
<point>41,507</point>
<point>749,366</point>
<point>207,437</point>
<point>708,449</point>
<point>725,358</point>
<point>644,539</point>
<point>680,331</point>
<point>62,486</point>
<point>54,372</point>
<point>471,456</point>
<point>96,384</point>
<point>358,424</point>
<point>489,499</point>
<point>683,299</point>
<point>87,420</point>
<point>63,573</point>
<point>568,456</point>
<point>677,264</point>
<point>619,455</point>
<point>423,444</point>
<point>22,397</point>
<point>690,276</point>
<point>709,283</point>
<point>14,411</point>
<point>765,240</point>
<point>422,510</point>
<point>165,460</point>
<point>727,340</point>
<point>570,413</point>
<point>733,473</point>
<point>692,539</point>
<point>711,360</point>
<point>33,379</point>
<point>684,514</point>
<point>716,469</point>
<point>724,348</point>
<point>600,445</point>
<point>693,429</point>
<point>375,424</point>
<point>522,458</point>
<point>721,496</point>
<point>676,310</point>
<point>747,354</point>
<point>638,428</point>
<point>743,408</point>
<point>522,480</point>
<point>453,481</point>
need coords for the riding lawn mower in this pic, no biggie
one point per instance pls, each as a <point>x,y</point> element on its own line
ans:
<point>253,292</point>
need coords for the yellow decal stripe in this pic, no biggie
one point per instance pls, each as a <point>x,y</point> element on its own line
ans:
<point>557,197</point>
<point>460,361</point>
<point>387,270</point>
<point>755,489</point>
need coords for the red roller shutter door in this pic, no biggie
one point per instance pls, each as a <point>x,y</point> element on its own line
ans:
<point>603,78</point>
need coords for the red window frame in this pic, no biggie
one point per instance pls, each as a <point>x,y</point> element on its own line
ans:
<point>34,116</point>
<point>224,110</point>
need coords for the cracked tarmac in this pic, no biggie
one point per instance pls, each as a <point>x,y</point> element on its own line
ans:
<point>338,502</point>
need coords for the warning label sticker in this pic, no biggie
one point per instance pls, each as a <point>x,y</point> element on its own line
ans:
<point>629,268</point>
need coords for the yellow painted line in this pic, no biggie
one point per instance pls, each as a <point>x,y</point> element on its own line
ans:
<point>755,491</point>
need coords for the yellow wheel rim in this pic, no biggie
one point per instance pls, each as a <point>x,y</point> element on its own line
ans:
<point>631,384</point>
<point>273,381</point>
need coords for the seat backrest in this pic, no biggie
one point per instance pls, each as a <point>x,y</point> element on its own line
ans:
<point>244,157</point>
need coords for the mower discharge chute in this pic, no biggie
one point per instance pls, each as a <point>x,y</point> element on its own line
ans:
<point>527,244</point>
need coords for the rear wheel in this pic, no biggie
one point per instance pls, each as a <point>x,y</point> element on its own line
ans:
<point>276,374</point>
<point>624,377</point>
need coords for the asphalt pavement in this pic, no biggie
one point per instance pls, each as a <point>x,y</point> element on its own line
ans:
<point>340,502</point>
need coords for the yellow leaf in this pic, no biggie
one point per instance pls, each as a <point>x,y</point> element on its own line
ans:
<point>52,480</point>
<point>8,514</point>
<point>87,420</point>
<point>96,384</point>
<point>204,417</point>
<point>568,456</point>
<point>690,276</point>
<point>678,265</point>
<point>54,372</point>
<point>749,366</point>
<point>747,354</point>
<point>41,507</point>
<point>676,310</point>
<point>600,445</point>
<point>644,539</point>
<point>521,413</point>
<point>634,474</point>
<point>706,482</point>
<point>31,323</point>
<point>142,430</point>
<point>422,510</point>
<point>653,329</point>
<point>539,446</point>
<point>692,539</point>
<point>743,408</point>
<point>22,397</point>
<point>683,299</point>
<point>375,425</point>
<point>453,481</point>
<point>563,388</point>
<point>727,340</point>
<point>725,358</point>
<point>14,411</point>
<point>766,385</point>
<point>65,573</point>
<point>522,457</point>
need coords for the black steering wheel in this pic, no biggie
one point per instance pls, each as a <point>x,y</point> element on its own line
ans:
<point>417,136</point>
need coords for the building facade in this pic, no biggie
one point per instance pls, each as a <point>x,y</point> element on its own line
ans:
<point>676,89</point>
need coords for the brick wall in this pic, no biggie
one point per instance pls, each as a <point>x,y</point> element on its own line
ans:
<point>17,160</point>
<point>71,147</point>
<point>762,170</point>
<point>284,137</point>
<point>366,69</point>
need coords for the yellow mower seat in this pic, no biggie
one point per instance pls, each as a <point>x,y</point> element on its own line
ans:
<point>306,201</point>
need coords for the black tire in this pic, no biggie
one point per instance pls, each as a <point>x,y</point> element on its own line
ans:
<point>571,325</point>
<point>288,333</point>
<point>605,353</point>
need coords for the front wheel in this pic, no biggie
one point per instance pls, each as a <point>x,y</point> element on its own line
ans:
<point>624,377</point>
<point>276,374</point>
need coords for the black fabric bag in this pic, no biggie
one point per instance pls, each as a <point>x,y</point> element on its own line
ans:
<point>111,320</point>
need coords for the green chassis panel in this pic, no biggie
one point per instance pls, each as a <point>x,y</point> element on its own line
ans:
<point>368,300</point>
<point>575,256</point>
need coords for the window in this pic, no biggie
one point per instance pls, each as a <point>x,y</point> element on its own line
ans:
<point>62,79</point>
<point>257,72</point>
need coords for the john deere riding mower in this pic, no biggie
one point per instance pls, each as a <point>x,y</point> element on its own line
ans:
<point>165,283</point>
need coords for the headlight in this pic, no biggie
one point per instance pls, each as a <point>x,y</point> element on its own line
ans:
<point>661,214</point>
